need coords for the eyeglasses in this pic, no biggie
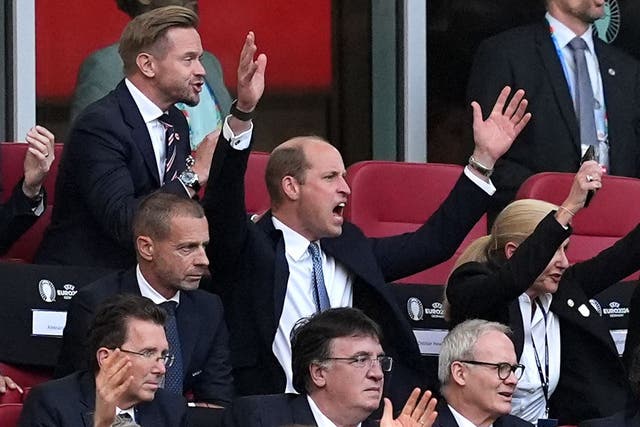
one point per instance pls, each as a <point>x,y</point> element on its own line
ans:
<point>166,358</point>
<point>504,369</point>
<point>364,361</point>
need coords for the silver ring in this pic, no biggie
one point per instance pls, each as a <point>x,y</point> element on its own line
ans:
<point>589,178</point>
<point>46,155</point>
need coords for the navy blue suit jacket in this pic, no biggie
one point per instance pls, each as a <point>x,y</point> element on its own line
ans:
<point>70,401</point>
<point>201,326</point>
<point>16,216</point>
<point>251,272</point>
<point>445,418</point>
<point>107,167</point>
<point>274,410</point>
<point>525,58</point>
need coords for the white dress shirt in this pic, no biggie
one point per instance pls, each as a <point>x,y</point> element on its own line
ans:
<point>129,411</point>
<point>528,400</point>
<point>461,420</point>
<point>563,35</point>
<point>148,292</point>
<point>298,300</point>
<point>321,419</point>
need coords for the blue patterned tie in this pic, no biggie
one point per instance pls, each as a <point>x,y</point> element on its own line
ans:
<point>320,295</point>
<point>173,377</point>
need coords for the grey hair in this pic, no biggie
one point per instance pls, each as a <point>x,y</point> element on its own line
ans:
<point>460,342</point>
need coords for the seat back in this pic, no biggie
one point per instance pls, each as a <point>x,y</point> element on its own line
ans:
<point>612,213</point>
<point>255,188</point>
<point>26,376</point>
<point>11,161</point>
<point>390,198</point>
<point>9,414</point>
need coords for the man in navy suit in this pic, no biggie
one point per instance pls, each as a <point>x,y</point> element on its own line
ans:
<point>339,369</point>
<point>130,143</point>
<point>268,277</point>
<point>478,370</point>
<point>539,59</point>
<point>171,235</point>
<point>130,354</point>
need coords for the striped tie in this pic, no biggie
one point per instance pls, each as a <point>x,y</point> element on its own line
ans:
<point>171,139</point>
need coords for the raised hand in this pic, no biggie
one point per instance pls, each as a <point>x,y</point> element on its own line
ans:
<point>494,136</point>
<point>588,177</point>
<point>38,159</point>
<point>7,383</point>
<point>414,414</point>
<point>112,382</point>
<point>250,75</point>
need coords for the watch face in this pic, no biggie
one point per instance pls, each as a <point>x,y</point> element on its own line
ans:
<point>189,178</point>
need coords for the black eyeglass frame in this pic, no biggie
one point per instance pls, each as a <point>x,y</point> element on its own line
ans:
<point>362,361</point>
<point>500,368</point>
<point>167,358</point>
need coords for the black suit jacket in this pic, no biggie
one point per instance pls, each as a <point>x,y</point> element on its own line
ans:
<point>274,410</point>
<point>525,58</point>
<point>201,326</point>
<point>249,265</point>
<point>592,379</point>
<point>633,333</point>
<point>16,216</point>
<point>445,418</point>
<point>70,401</point>
<point>107,167</point>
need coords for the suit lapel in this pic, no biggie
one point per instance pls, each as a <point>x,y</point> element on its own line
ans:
<point>615,100</point>
<point>139,131</point>
<point>549,57</point>
<point>88,387</point>
<point>301,412</point>
<point>445,417</point>
<point>188,325</point>
<point>515,317</point>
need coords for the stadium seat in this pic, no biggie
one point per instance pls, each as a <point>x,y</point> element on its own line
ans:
<point>392,197</point>
<point>11,396</point>
<point>9,414</point>
<point>612,213</point>
<point>256,195</point>
<point>11,161</point>
<point>25,376</point>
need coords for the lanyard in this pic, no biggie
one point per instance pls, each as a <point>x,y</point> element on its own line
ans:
<point>544,377</point>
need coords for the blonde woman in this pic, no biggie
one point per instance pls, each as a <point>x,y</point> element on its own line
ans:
<point>519,275</point>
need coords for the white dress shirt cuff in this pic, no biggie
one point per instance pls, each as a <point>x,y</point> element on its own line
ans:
<point>488,187</point>
<point>238,142</point>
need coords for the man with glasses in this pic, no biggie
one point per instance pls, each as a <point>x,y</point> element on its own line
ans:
<point>171,233</point>
<point>129,358</point>
<point>338,368</point>
<point>478,370</point>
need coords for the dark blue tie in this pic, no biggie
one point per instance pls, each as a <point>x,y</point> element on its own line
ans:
<point>173,377</point>
<point>320,295</point>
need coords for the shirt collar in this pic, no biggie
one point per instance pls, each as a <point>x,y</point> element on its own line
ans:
<point>147,291</point>
<point>129,411</point>
<point>295,244</point>
<point>545,300</point>
<point>564,35</point>
<point>461,419</point>
<point>321,419</point>
<point>147,108</point>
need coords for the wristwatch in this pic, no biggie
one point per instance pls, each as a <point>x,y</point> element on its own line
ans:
<point>240,115</point>
<point>188,177</point>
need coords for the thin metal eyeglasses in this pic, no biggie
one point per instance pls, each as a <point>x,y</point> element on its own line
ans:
<point>364,361</point>
<point>504,369</point>
<point>167,359</point>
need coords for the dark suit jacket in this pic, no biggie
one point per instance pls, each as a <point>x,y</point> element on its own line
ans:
<point>445,418</point>
<point>16,216</point>
<point>70,401</point>
<point>592,380</point>
<point>201,326</point>
<point>525,58</point>
<point>107,167</point>
<point>249,265</point>
<point>629,418</point>
<point>274,410</point>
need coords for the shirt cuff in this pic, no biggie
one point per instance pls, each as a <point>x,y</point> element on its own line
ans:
<point>487,187</point>
<point>238,142</point>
